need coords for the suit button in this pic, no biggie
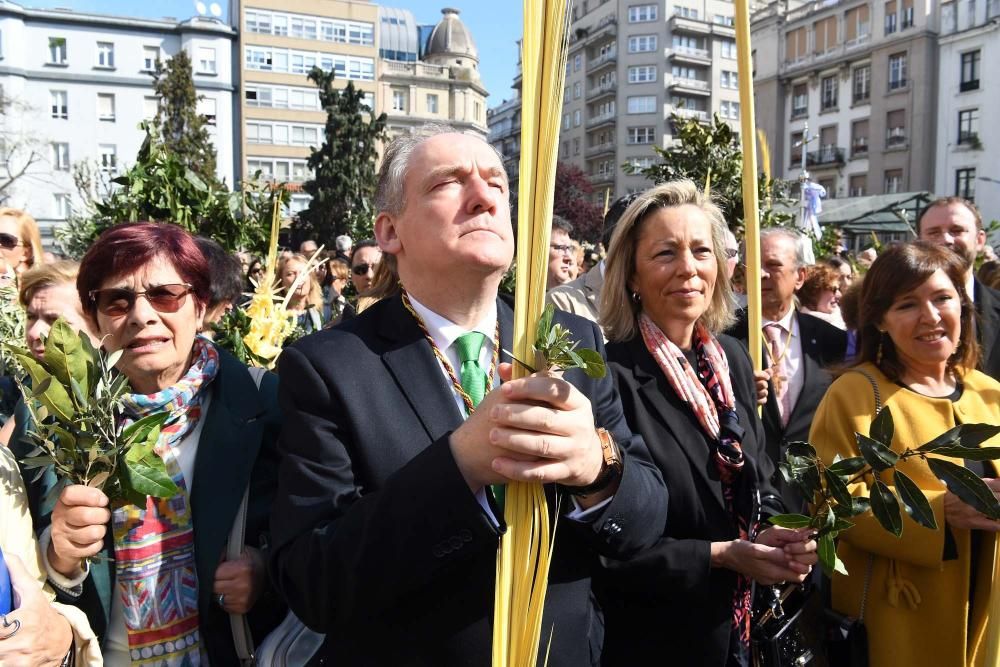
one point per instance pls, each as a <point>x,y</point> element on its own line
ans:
<point>455,542</point>
<point>465,534</point>
<point>611,527</point>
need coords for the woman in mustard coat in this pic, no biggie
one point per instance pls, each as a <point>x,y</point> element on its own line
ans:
<point>933,596</point>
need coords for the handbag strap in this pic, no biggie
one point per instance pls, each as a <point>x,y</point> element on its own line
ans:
<point>871,557</point>
<point>242,639</point>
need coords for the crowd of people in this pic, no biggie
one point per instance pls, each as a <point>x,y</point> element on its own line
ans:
<point>372,463</point>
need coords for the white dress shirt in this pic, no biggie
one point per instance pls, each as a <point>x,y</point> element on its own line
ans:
<point>793,355</point>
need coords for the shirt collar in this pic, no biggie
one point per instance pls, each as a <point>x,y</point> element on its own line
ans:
<point>970,286</point>
<point>787,322</point>
<point>444,332</point>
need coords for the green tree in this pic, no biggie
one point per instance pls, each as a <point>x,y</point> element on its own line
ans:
<point>712,153</point>
<point>344,186</point>
<point>181,128</point>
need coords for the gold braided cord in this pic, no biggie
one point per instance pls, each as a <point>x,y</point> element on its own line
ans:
<point>525,548</point>
<point>455,383</point>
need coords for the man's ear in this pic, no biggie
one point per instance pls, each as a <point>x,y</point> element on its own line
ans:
<point>800,277</point>
<point>386,235</point>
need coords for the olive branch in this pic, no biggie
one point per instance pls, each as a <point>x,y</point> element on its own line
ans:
<point>555,350</point>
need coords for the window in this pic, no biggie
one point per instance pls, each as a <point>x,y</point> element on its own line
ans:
<point>57,50</point>
<point>641,135</point>
<point>893,181</point>
<point>795,157</point>
<point>681,72</point>
<point>795,45</point>
<point>728,49</point>
<point>208,108</point>
<point>828,93</point>
<point>150,54</point>
<point>859,138</point>
<point>432,103</point>
<point>576,146</point>
<point>642,104</point>
<point>728,79</point>
<point>63,206</point>
<point>399,100</point>
<point>970,71</point>
<point>577,62</point>
<point>641,43</point>
<point>109,158</point>
<point>907,19</point>
<point>861,84</point>
<point>60,103</point>
<point>641,13</point>
<point>565,121</point>
<point>825,34</point>
<point>60,156</point>
<point>577,90</point>
<point>719,19</point>
<point>965,184</point>
<point>686,12</point>
<point>897,71</point>
<point>106,106</point>
<point>968,126</point>
<point>730,110</point>
<point>890,17</point>
<point>800,100</point>
<point>895,128</point>
<point>106,55</point>
<point>642,74</point>
<point>857,28</point>
<point>206,60</point>
<point>856,187</point>
<point>577,118</point>
<point>150,106</point>
<point>644,162</point>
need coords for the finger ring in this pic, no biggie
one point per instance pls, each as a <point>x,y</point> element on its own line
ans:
<point>6,624</point>
<point>220,600</point>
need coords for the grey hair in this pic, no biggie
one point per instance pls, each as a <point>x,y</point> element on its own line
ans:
<point>343,243</point>
<point>796,238</point>
<point>390,194</point>
<point>619,312</point>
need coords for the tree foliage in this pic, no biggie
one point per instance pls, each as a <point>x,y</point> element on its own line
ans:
<point>177,121</point>
<point>573,201</point>
<point>711,153</point>
<point>161,188</point>
<point>344,186</point>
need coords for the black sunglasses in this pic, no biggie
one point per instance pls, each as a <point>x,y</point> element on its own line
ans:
<point>362,269</point>
<point>9,241</point>
<point>118,301</point>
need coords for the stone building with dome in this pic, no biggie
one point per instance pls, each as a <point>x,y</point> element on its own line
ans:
<point>428,74</point>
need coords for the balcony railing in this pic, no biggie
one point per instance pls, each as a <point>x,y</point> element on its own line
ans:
<point>600,149</point>
<point>603,89</point>
<point>828,155</point>
<point>602,177</point>
<point>607,28</point>
<point>697,114</point>
<point>895,137</point>
<point>684,24</point>
<point>602,60</point>
<point>697,84</point>
<point>859,147</point>
<point>687,52</point>
<point>600,120</point>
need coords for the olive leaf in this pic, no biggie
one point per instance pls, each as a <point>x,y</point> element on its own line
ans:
<point>790,520</point>
<point>554,346</point>
<point>914,501</point>
<point>881,429</point>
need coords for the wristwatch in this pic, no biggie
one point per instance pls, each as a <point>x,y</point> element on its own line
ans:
<point>610,471</point>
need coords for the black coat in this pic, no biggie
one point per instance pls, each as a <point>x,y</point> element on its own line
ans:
<point>667,605</point>
<point>377,539</point>
<point>988,328</point>
<point>823,346</point>
<point>238,445</point>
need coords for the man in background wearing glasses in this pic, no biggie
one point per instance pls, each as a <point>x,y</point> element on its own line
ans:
<point>562,260</point>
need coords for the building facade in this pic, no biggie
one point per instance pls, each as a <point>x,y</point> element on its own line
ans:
<point>280,41</point>
<point>433,80</point>
<point>858,80</point>
<point>76,86</point>
<point>967,164</point>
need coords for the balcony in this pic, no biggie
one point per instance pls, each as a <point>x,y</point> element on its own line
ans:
<point>696,86</point>
<point>827,156</point>
<point>697,114</point>
<point>603,178</point>
<point>688,54</point>
<point>607,88</point>
<point>605,29</point>
<point>695,26</point>
<point>504,131</point>
<point>600,149</point>
<point>895,137</point>
<point>607,118</point>
<point>859,147</point>
<point>609,58</point>
<point>860,40</point>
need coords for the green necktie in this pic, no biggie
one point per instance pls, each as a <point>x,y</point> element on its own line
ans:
<point>474,381</point>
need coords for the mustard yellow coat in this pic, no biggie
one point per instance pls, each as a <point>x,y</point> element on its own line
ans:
<point>917,609</point>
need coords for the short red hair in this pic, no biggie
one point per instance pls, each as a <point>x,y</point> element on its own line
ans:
<point>126,248</point>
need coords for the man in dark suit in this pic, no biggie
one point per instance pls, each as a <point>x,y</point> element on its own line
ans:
<point>956,223</point>
<point>386,528</point>
<point>798,348</point>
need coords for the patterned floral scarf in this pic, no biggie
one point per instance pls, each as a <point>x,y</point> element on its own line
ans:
<point>154,545</point>
<point>708,392</point>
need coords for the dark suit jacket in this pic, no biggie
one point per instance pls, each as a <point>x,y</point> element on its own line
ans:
<point>988,328</point>
<point>238,444</point>
<point>377,539</point>
<point>823,346</point>
<point>666,605</point>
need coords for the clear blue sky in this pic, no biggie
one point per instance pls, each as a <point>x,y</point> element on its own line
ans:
<point>495,27</point>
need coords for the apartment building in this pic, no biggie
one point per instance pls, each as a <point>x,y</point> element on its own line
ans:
<point>430,80</point>
<point>966,162</point>
<point>504,121</point>
<point>77,86</point>
<point>280,41</point>
<point>861,77</point>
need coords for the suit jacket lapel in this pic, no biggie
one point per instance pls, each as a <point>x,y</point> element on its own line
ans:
<point>988,320</point>
<point>674,417</point>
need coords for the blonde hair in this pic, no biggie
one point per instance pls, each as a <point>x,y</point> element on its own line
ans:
<point>315,296</point>
<point>28,234</point>
<point>63,272</point>
<point>619,310</point>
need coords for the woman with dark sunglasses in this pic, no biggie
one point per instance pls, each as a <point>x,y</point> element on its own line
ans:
<point>20,241</point>
<point>145,287</point>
